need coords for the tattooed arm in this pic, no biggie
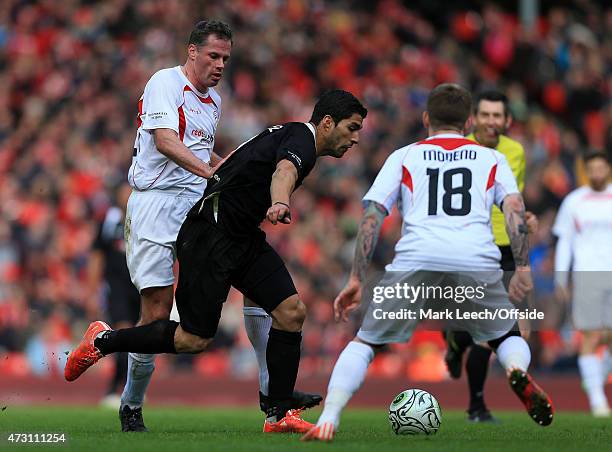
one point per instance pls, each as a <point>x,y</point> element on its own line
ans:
<point>367,237</point>
<point>349,298</point>
<point>516,226</point>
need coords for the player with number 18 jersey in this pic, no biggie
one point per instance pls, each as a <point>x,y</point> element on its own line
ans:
<point>445,176</point>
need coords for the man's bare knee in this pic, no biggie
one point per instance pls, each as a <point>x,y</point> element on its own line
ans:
<point>185,342</point>
<point>289,315</point>
<point>155,304</point>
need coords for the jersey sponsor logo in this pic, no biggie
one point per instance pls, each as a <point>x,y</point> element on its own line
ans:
<point>204,137</point>
<point>441,156</point>
<point>157,115</point>
<point>195,111</point>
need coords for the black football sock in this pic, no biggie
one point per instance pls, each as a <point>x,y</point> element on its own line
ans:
<point>477,366</point>
<point>283,360</point>
<point>120,374</point>
<point>156,337</point>
<point>458,341</point>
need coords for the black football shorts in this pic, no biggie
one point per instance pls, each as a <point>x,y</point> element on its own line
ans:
<point>211,261</point>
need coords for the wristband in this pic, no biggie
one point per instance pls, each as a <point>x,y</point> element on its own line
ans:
<point>283,203</point>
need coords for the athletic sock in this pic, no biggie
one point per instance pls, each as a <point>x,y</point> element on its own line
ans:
<point>347,377</point>
<point>592,381</point>
<point>119,374</point>
<point>257,323</point>
<point>458,341</point>
<point>140,371</point>
<point>476,367</point>
<point>156,337</point>
<point>514,353</point>
<point>283,360</point>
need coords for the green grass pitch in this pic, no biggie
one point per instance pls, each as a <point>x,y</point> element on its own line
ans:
<point>210,429</point>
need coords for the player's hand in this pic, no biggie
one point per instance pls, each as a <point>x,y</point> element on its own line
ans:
<point>520,284</point>
<point>279,211</point>
<point>347,300</point>
<point>209,170</point>
<point>532,222</point>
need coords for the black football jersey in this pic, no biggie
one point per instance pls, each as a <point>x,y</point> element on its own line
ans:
<point>238,197</point>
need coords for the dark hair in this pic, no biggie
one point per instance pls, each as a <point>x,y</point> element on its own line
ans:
<point>492,96</point>
<point>591,155</point>
<point>449,105</point>
<point>339,105</point>
<point>203,29</point>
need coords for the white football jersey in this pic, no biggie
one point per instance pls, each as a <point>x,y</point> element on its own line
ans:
<point>444,187</point>
<point>170,101</point>
<point>585,222</point>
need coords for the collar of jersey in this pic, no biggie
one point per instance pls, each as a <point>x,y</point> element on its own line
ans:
<point>445,135</point>
<point>206,94</point>
<point>312,129</point>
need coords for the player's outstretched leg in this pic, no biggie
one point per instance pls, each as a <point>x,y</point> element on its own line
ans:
<point>347,377</point>
<point>514,355</point>
<point>85,354</point>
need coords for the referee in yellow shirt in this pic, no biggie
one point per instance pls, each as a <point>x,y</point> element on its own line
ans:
<point>491,121</point>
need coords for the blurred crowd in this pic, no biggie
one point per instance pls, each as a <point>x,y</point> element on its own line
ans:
<point>71,73</point>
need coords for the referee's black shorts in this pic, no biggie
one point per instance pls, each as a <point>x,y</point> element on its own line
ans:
<point>210,262</point>
<point>123,302</point>
<point>507,264</point>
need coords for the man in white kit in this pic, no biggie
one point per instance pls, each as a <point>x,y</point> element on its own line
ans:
<point>444,187</point>
<point>584,231</point>
<point>173,153</point>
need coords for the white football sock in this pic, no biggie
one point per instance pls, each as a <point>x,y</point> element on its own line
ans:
<point>592,379</point>
<point>140,371</point>
<point>257,323</point>
<point>514,353</point>
<point>348,376</point>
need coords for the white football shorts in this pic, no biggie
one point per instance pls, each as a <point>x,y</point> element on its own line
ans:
<point>491,297</point>
<point>152,223</point>
<point>592,300</point>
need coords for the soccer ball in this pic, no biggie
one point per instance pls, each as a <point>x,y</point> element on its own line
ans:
<point>414,412</point>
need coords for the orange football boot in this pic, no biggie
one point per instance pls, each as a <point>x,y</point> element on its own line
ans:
<point>291,423</point>
<point>85,355</point>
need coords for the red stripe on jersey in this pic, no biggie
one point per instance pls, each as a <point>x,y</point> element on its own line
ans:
<point>407,178</point>
<point>138,120</point>
<point>449,144</point>
<point>182,123</point>
<point>491,180</point>
<point>205,100</point>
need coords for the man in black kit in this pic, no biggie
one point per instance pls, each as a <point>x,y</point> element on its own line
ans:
<point>220,245</point>
<point>107,273</point>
